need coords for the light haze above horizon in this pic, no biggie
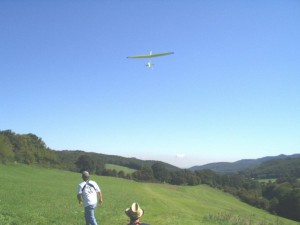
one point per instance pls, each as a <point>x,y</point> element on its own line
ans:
<point>230,91</point>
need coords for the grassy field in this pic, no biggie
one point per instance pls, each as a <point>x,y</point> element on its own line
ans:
<point>119,168</point>
<point>266,180</point>
<point>32,195</point>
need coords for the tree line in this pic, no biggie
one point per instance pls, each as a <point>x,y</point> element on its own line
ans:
<point>27,149</point>
<point>281,197</point>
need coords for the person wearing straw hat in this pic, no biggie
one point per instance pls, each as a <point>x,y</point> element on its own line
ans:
<point>89,193</point>
<point>135,212</point>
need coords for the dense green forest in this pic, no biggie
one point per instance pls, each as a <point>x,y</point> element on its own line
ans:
<point>276,168</point>
<point>281,197</point>
<point>28,149</point>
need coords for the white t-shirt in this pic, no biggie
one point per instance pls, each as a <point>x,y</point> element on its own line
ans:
<point>88,190</point>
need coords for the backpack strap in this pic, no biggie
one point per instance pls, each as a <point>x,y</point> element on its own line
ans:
<point>87,183</point>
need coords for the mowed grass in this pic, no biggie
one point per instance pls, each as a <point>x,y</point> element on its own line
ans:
<point>266,180</point>
<point>119,168</point>
<point>33,195</point>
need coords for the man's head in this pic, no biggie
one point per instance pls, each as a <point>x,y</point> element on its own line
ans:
<point>85,175</point>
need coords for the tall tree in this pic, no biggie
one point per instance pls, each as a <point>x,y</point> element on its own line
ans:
<point>6,153</point>
<point>160,172</point>
<point>85,162</point>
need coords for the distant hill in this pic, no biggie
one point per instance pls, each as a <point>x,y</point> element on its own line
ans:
<point>69,157</point>
<point>240,165</point>
<point>31,149</point>
<point>276,168</point>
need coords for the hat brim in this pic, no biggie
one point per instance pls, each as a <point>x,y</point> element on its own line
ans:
<point>133,215</point>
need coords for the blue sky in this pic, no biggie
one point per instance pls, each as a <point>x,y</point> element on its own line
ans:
<point>231,91</point>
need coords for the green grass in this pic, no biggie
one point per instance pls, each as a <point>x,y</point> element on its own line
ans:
<point>266,180</point>
<point>32,195</point>
<point>119,168</point>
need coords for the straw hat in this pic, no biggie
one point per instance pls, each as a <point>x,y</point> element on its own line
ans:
<point>135,211</point>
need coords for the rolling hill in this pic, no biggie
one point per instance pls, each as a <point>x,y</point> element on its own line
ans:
<point>30,149</point>
<point>240,165</point>
<point>48,196</point>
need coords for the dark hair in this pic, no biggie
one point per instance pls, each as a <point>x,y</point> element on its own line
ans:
<point>133,218</point>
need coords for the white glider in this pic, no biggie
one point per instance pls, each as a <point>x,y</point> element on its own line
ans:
<point>150,55</point>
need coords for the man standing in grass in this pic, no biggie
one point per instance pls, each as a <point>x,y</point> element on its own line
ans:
<point>88,191</point>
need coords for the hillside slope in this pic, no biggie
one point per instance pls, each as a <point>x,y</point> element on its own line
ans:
<point>240,165</point>
<point>48,196</point>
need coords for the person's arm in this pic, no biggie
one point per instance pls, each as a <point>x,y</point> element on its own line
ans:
<point>79,197</point>
<point>100,197</point>
<point>98,191</point>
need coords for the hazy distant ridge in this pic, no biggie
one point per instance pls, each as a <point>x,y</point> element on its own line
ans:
<point>240,165</point>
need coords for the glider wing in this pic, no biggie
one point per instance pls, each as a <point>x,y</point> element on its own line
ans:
<point>151,55</point>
